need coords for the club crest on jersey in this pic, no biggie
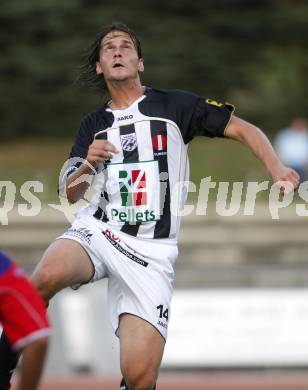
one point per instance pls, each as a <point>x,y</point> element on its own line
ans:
<point>129,142</point>
<point>160,144</point>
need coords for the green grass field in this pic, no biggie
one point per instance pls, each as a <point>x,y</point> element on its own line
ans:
<point>34,159</point>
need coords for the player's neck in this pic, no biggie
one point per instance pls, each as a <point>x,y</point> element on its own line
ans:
<point>124,94</point>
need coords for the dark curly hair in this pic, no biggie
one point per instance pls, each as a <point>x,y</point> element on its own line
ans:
<point>88,73</point>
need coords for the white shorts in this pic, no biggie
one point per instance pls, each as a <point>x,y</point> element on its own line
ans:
<point>140,273</point>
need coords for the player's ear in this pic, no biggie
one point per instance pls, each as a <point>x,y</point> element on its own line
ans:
<point>141,65</point>
<point>99,69</point>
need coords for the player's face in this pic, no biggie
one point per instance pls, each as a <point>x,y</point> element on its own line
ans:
<point>118,58</point>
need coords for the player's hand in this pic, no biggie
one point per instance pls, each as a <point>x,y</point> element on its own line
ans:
<point>100,150</point>
<point>286,178</point>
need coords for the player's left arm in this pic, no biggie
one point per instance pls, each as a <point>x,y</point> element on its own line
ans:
<point>251,136</point>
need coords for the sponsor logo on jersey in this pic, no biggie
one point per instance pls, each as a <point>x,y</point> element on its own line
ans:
<point>116,243</point>
<point>129,142</point>
<point>125,117</point>
<point>133,193</point>
<point>160,144</point>
<point>134,190</point>
<point>214,103</point>
<point>82,233</point>
<point>112,236</point>
<point>131,215</point>
<point>133,187</point>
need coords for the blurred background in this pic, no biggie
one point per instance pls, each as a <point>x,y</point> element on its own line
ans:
<point>243,278</point>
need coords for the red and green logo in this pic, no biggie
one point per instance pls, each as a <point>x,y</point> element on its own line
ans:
<point>160,142</point>
<point>133,187</point>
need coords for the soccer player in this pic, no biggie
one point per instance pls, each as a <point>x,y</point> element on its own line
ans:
<point>23,317</point>
<point>136,145</point>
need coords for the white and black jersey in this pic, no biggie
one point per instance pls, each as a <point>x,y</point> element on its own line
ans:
<point>141,188</point>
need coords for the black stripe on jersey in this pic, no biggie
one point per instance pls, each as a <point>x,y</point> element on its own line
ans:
<point>100,213</point>
<point>160,145</point>
<point>130,229</point>
<point>129,145</point>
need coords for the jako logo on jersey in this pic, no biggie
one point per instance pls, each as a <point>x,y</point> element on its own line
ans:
<point>129,142</point>
<point>125,117</point>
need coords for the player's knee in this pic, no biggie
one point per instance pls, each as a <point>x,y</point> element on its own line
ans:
<point>140,380</point>
<point>46,283</point>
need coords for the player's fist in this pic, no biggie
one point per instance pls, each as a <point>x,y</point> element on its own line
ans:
<point>286,178</point>
<point>100,150</point>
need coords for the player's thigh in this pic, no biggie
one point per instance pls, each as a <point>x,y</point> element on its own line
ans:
<point>141,348</point>
<point>64,263</point>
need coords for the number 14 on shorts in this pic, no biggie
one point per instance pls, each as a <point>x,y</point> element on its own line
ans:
<point>163,313</point>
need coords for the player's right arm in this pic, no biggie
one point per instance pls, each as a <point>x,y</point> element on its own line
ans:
<point>77,183</point>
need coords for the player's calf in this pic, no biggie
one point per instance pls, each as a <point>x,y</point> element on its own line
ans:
<point>141,350</point>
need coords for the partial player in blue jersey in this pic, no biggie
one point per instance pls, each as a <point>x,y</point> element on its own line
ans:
<point>24,322</point>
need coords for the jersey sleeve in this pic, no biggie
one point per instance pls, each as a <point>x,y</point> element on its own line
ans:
<point>83,139</point>
<point>78,154</point>
<point>211,118</point>
<point>203,117</point>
